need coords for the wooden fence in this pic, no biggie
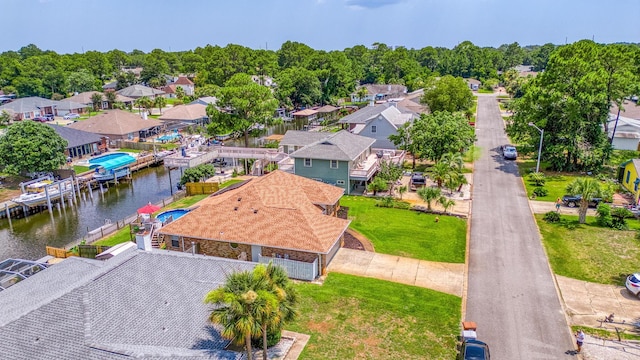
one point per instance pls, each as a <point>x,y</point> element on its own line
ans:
<point>201,188</point>
<point>59,253</point>
<point>136,145</point>
<point>90,251</point>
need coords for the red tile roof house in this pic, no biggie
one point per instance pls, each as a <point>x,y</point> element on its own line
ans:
<point>280,217</point>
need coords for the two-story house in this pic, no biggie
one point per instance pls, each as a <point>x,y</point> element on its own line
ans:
<point>342,159</point>
<point>378,122</point>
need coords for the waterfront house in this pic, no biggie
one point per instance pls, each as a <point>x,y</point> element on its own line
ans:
<point>119,125</point>
<point>80,143</point>
<point>342,159</point>
<point>328,113</point>
<point>134,305</point>
<point>190,114</point>
<point>308,115</point>
<point>378,122</point>
<point>280,216</point>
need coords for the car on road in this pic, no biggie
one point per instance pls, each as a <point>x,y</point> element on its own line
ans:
<point>574,200</point>
<point>509,152</point>
<point>633,284</point>
<point>70,116</point>
<point>474,350</point>
<point>417,181</point>
<point>41,118</point>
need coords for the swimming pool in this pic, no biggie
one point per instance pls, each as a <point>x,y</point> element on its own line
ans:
<point>175,213</point>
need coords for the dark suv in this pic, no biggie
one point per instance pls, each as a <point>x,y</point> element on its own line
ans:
<point>474,350</point>
<point>417,181</point>
<point>574,200</point>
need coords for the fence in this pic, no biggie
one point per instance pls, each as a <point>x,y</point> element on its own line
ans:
<point>295,269</point>
<point>58,253</point>
<point>201,188</point>
<point>136,145</point>
<point>90,251</point>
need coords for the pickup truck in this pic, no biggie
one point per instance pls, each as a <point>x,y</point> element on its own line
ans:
<point>417,181</point>
<point>574,200</point>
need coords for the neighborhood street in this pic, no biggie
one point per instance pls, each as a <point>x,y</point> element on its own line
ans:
<point>511,292</point>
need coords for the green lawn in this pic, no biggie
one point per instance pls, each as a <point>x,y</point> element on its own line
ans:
<point>556,184</point>
<point>350,317</point>
<point>485,91</point>
<point>230,182</point>
<point>588,252</point>
<point>80,169</point>
<point>135,151</point>
<point>408,233</point>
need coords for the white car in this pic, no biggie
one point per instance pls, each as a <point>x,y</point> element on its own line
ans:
<point>70,116</point>
<point>633,284</point>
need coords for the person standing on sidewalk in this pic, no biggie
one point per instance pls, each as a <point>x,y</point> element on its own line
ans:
<point>579,339</point>
<point>558,202</point>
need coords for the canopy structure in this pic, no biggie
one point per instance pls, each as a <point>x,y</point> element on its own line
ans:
<point>148,209</point>
<point>13,271</point>
<point>114,163</point>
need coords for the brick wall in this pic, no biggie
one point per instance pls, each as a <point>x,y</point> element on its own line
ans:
<point>211,248</point>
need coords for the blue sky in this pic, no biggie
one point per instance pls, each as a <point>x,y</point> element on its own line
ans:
<point>68,26</point>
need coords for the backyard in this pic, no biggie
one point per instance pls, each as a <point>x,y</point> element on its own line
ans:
<point>350,317</point>
<point>589,252</point>
<point>408,233</point>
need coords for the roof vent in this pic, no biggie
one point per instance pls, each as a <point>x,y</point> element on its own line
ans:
<point>255,211</point>
<point>239,198</point>
<point>235,208</point>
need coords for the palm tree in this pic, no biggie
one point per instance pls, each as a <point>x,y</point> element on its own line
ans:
<point>241,305</point>
<point>160,102</point>
<point>446,203</point>
<point>180,92</point>
<point>429,194</point>
<point>362,93</point>
<point>282,287</point>
<point>454,160</point>
<point>589,189</point>
<point>441,172</point>
<point>143,103</point>
<point>96,101</point>
<point>111,97</point>
<point>401,190</point>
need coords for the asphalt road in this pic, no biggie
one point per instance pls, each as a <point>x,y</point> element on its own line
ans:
<point>511,293</point>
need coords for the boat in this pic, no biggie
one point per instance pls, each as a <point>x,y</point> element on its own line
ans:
<point>36,193</point>
<point>112,166</point>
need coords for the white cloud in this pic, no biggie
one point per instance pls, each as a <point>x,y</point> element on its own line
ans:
<point>371,4</point>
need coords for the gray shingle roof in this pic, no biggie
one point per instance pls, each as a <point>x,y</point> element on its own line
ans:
<point>367,113</point>
<point>137,91</point>
<point>302,138</point>
<point>137,304</point>
<point>342,146</point>
<point>75,137</point>
<point>28,104</point>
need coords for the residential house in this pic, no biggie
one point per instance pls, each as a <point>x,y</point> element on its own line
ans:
<point>629,177</point>
<point>85,98</point>
<point>308,115</point>
<point>80,143</point>
<point>205,100</point>
<point>66,107</point>
<point>263,80</point>
<point>412,102</point>
<point>30,107</point>
<point>379,92</point>
<point>278,217</point>
<point>113,85</point>
<point>186,85</point>
<point>378,122</point>
<point>327,113</point>
<point>138,91</point>
<point>119,125</point>
<point>136,304</point>
<point>342,159</point>
<point>169,91</point>
<point>625,132</point>
<point>630,109</point>
<point>474,84</point>
<point>192,114</point>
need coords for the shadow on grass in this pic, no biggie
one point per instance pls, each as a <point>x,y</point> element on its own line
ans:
<point>570,224</point>
<point>619,279</point>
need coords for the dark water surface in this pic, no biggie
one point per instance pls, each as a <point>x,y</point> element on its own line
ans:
<point>26,238</point>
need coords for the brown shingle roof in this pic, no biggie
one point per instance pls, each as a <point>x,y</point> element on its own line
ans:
<point>183,80</point>
<point>328,109</point>
<point>189,112</point>
<point>305,112</point>
<point>276,210</point>
<point>115,122</point>
<point>631,109</point>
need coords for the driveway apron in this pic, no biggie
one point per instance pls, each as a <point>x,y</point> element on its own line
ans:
<point>511,293</point>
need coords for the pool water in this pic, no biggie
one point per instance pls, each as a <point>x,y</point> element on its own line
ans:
<point>175,213</point>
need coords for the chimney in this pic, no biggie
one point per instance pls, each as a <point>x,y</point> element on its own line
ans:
<point>144,115</point>
<point>388,88</point>
<point>371,102</point>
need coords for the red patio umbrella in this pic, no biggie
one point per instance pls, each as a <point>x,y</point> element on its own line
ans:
<point>148,209</point>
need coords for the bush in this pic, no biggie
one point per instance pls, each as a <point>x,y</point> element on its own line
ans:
<point>537,178</point>
<point>540,191</point>
<point>603,214</point>
<point>386,201</point>
<point>273,337</point>
<point>551,217</point>
<point>619,216</point>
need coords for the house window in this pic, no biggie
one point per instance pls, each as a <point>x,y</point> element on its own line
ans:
<point>635,184</point>
<point>333,164</point>
<point>175,242</point>
<point>628,176</point>
<point>307,162</point>
<point>339,182</point>
<point>374,128</point>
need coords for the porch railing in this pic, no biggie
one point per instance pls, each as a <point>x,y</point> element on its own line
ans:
<point>295,269</point>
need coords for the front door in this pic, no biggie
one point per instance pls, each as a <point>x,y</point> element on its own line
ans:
<point>256,250</point>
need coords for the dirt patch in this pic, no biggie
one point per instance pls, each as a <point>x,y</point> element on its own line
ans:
<point>319,327</point>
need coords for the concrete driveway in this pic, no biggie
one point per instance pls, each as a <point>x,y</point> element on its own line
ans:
<point>443,277</point>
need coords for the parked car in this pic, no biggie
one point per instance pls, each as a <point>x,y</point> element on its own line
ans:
<point>574,200</point>
<point>70,116</point>
<point>509,152</point>
<point>40,119</point>
<point>474,350</point>
<point>417,181</point>
<point>633,284</point>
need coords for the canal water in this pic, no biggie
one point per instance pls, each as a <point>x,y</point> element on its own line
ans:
<point>26,238</point>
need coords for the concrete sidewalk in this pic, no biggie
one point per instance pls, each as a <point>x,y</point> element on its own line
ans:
<point>443,277</point>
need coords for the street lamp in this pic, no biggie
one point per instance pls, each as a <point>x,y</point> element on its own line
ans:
<point>540,147</point>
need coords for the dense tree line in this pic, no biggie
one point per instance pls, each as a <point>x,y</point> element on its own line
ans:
<point>324,75</point>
